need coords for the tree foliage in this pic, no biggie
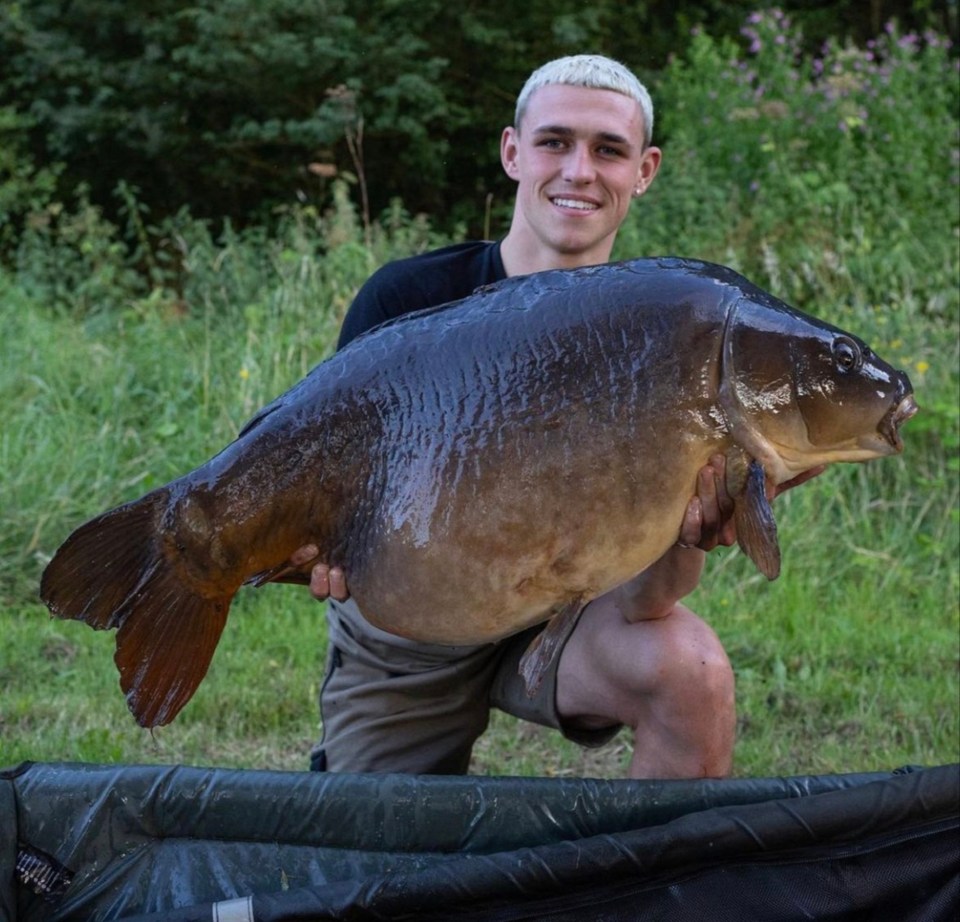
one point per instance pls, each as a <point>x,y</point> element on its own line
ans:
<point>233,107</point>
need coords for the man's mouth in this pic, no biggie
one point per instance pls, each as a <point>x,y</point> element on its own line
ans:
<point>575,204</point>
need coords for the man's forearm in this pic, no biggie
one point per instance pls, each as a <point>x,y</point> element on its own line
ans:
<point>653,593</point>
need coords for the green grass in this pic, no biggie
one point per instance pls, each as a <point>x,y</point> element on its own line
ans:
<point>851,657</point>
<point>848,662</point>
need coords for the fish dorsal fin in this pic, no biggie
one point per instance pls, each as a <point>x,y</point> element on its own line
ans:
<point>756,526</point>
<point>546,645</point>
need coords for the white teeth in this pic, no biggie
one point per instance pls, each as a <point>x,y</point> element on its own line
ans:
<point>574,203</point>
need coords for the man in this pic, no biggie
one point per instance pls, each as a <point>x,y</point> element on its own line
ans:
<point>579,150</point>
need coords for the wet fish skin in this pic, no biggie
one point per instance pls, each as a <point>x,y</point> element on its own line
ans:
<point>479,467</point>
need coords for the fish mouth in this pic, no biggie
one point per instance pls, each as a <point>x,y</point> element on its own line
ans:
<point>896,416</point>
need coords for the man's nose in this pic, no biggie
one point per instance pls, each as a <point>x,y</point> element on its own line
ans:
<point>579,166</point>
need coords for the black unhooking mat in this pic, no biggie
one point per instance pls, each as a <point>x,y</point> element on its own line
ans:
<point>85,842</point>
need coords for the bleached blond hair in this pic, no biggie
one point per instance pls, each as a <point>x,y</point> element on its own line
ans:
<point>594,71</point>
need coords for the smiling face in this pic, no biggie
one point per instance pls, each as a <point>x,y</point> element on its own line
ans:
<point>578,159</point>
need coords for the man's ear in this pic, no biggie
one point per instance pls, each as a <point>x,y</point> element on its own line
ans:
<point>509,149</point>
<point>649,165</point>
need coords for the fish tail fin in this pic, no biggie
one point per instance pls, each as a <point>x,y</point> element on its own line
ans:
<point>116,572</point>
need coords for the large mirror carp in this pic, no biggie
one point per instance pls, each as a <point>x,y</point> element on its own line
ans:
<point>499,460</point>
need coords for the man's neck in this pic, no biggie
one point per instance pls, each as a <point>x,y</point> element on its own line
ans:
<point>522,256</point>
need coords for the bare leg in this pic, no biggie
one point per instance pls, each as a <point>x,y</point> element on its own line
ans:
<point>668,679</point>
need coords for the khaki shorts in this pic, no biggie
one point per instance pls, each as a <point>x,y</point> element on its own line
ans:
<point>390,704</point>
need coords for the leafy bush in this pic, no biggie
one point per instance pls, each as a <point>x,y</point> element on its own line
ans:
<point>25,187</point>
<point>814,173</point>
<point>235,106</point>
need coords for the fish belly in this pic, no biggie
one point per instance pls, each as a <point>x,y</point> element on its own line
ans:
<point>491,554</point>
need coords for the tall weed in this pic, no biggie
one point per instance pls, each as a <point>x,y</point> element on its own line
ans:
<point>126,366</point>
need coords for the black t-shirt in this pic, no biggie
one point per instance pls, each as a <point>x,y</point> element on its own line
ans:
<point>427,280</point>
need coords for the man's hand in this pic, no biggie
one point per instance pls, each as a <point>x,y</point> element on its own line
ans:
<point>708,520</point>
<point>325,581</point>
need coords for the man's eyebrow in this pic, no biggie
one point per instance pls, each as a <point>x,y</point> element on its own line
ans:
<point>565,131</point>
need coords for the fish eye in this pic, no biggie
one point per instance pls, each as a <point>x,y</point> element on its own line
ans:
<point>846,354</point>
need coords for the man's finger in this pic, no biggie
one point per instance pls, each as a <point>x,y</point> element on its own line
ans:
<point>338,584</point>
<point>320,581</point>
<point>328,583</point>
<point>800,478</point>
<point>690,526</point>
<point>304,554</point>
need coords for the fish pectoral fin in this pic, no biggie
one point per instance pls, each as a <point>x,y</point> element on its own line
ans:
<point>285,573</point>
<point>756,526</point>
<point>546,645</point>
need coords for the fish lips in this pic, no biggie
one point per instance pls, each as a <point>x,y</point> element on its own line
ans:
<point>894,418</point>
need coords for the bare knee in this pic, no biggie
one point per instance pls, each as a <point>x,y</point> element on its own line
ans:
<point>688,662</point>
<point>631,672</point>
<point>685,724</point>
<point>691,648</point>
<point>668,680</point>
